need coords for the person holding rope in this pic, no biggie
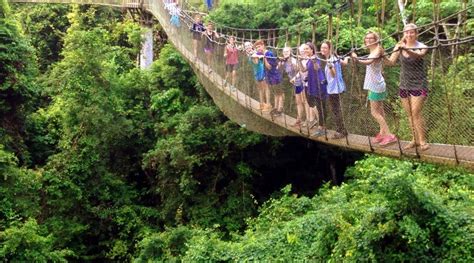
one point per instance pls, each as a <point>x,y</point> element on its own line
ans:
<point>257,60</point>
<point>316,89</point>
<point>375,83</point>
<point>210,42</point>
<point>335,86</point>
<point>197,29</point>
<point>273,77</point>
<point>231,55</point>
<point>413,82</point>
<point>290,66</point>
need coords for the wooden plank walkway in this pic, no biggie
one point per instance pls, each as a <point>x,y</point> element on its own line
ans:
<point>438,153</point>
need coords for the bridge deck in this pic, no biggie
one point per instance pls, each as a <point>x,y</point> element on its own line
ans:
<point>249,114</point>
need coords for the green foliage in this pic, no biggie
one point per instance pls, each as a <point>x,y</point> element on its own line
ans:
<point>389,211</point>
<point>27,242</point>
<point>19,190</point>
<point>168,246</point>
<point>17,88</point>
<point>44,25</point>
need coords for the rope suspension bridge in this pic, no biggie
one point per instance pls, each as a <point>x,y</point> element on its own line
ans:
<point>446,74</point>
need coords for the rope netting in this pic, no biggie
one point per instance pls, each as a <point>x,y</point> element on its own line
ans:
<point>409,96</point>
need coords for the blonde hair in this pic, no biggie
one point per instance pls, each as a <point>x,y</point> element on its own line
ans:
<point>410,26</point>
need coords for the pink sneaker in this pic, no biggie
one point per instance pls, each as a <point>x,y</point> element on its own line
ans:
<point>388,140</point>
<point>378,138</point>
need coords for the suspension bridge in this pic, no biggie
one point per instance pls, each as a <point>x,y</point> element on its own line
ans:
<point>448,110</point>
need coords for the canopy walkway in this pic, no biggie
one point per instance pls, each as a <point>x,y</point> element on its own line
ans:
<point>448,110</point>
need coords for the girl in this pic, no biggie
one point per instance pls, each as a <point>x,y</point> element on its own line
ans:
<point>335,86</point>
<point>257,59</point>
<point>413,82</point>
<point>316,89</point>
<point>197,29</point>
<point>210,42</point>
<point>290,66</point>
<point>375,84</point>
<point>231,55</point>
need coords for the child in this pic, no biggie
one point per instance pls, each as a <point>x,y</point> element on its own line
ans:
<point>335,86</point>
<point>197,29</point>
<point>375,83</point>
<point>316,90</point>
<point>273,77</point>
<point>290,66</point>
<point>257,60</point>
<point>209,44</point>
<point>231,55</point>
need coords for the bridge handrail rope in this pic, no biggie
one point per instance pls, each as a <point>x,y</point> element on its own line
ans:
<point>438,43</point>
<point>337,11</point>
<point>447,109</point>
<point>429,26</point>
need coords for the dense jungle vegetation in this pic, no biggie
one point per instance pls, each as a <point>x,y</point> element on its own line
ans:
<point>102,161</point>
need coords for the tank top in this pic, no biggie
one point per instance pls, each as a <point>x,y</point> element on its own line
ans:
<point>413,72</point>
<point>210,39</point>
<point>374,81</point>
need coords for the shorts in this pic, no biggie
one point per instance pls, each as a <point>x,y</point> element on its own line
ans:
<point>197,35</point>
<point>377,96</point>
<point>405,93</point>
<point>299,89</point>
<point>208,50</point>
<point>231,67</point>
<point>277,89</point>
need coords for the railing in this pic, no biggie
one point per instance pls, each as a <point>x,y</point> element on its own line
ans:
<point>449,129</point>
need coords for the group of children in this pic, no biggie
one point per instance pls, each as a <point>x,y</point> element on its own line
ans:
<point>318,80</point>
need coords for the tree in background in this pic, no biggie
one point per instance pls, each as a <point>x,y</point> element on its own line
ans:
<point>18,91</point>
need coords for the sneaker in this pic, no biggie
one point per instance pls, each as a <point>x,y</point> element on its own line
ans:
<point>232,88</point>
<point>277,113</point>
<point>378,138</point>
<point>312,123</point>
<point>388,140</point>
<point>319,133</point>
<point>304,124</point>
<point>337,136</point>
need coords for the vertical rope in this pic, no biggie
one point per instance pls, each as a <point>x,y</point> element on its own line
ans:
<point>313,33</point>
<point>413,3</point>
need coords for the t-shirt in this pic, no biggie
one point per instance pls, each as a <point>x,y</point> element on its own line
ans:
<point>232,57</point>
<point>273,74</point>
<point>291,69</point>
<point>316,82</point>
<point>413,74</point>
<point>258,68</point>
<point>336,84</point>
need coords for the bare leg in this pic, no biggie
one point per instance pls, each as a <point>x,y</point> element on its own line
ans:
<point>377,111</point>
<point>234,77</point>
<point>267,93</point>
<point>261,93</point>
<point>195,43</point>
<point>299,106</point>
<point>418,120</point>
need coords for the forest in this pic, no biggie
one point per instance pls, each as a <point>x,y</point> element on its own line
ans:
<point>101,161</point>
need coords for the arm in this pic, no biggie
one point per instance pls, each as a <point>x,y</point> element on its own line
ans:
<point>332,70</point>
<point>394,56</point>
<point>416,53</point>
<point>345,61</point>
<point>367,61</point>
